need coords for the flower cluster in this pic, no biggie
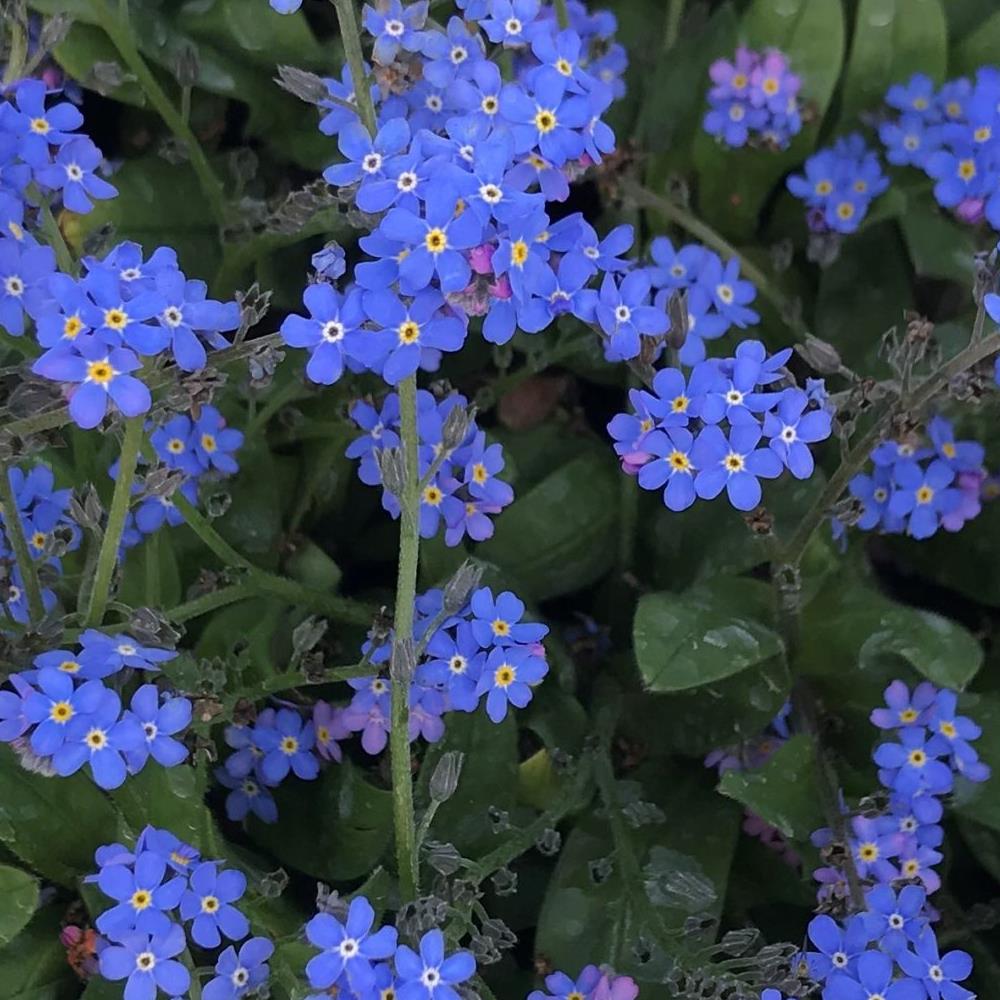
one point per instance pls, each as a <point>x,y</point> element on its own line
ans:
<point>717,298</point>
<point>47,528</point>
<point>357,962</point>
<point>953,135</point>
<point>754,98</point>
<point>96,328</point>
<point>41,145</point>
<point>916,488</point>
<point>933,745</point>
<point>158,889</point>
<point>476,241</point>
<point>193,448</point>
<point>695,436</point>
<point>62,717</point>
<point>459,471</point>
<point>839,184</point>
<point>482,650</point>
<point>593,983</point>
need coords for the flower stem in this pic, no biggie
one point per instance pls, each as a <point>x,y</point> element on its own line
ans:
<point>108,556</point>
<point>17,50</point>
<point>350,35</point>
<point>675,13</point>
<point>211,601</point>
<point>56,239</point>
<point>340,609</point>
<point>117,29</point>
<point>401,665</point>
<point>702,231</point>
<point>562,14</point>
<point>15,532</point>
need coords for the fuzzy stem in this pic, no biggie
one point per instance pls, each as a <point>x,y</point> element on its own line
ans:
<point>108,556</point>
<point>117,29</point>
<point>211,601</point>
<point>401,665</point>
<point>350,35</point>
<point>15,532</point>
<point>675,13</point>
<point>341,609</point>
<point>17,51</point>
<point>50,227</point>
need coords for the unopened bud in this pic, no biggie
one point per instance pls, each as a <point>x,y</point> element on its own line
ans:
<point>677,312</point>
<point>302,84</point>
<point>464,582</point>
<point>392,469</point>
<point>820,355</point>
<point>456,427</point>
<point>444,780</point>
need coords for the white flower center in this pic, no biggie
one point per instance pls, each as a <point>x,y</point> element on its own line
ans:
<point>623,314</point>
<point>513,26</point>
<point>406,181</point>
<point>172,316</point>
<point>130,274</point>
<point>394,27</point>
<point>491,194</point>
<point>13,285</point>
<point>372,163</point>
<point>348,948</point>
<point>332,331</point>
<point>433,102</point>
<point>788,434</point>
<point>74,172</point>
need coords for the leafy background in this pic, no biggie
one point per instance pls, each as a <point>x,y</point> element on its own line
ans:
<point>637,705</point>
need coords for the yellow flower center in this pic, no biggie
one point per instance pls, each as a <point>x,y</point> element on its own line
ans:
<point>100,372</point>
<point>925,495</point>
<point>209,904</point>
<point>948,729</point>
<point>96,739</point>
<point>436,241</point>
<point>823,187</point>
<point>679,461</point>
<point>770,86</point>
<point>115,319</point>
<point>15,230</point>
<point>38,539</point>
<point>739,81</point>
<point>72,327</point>
<point>564,67</point>
<point>917,758</point>
<point>209,443</point>
<point>725,292</point>
<point>479,473</point>
<point>920,103</point>
<point>409,332</point>
<point>141,899</point>
<point>289,745</point>
<point>504,675</point>
<point>868,852</point>
<point>175,446</point>
<point>500,627</point>
<point>845,211</point>
<point>61,712</point>
<point>733,462</point>
<point>908,715</point>
<point>948,449</point>
<point>983,134</point>
<point>966,169</point>
<point>518,253</point>
<point>69,666</point>
<point>545,121</point>
<point>40,126</point>
<point>433,496</point>
<point>323,734</point>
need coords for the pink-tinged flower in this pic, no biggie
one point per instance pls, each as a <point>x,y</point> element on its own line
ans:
<point>481,258</point>
<point>970,210</point>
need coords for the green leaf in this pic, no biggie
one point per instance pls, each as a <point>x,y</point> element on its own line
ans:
<point>18,899</point>
<point>978,48</point>
<point>850,625</point>
<point>266,39</point>
<point>488,779</point>
<point>892,40</point>
<point>33,966</point>
<point>53,824</point>
<point>782,791</point>
<point>560,535</point>
<point>82,49</point>
<point>733,185</point>
<point>685,641</point>
<point>335,828</point>
<point>133,588</point>
<point>939,246</point>
<point>584,921</point>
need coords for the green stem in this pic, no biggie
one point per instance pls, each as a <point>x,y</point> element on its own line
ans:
<point>117,29</point>
<point>562,14</point>
<point>922,394</point>
<point>675,13</point>
<point>295,679</point>
<point>340,609</point>
<point>15,532</point>
<point>151,592</point>
<point>211,601</point>
<point>108,556</point>
<point>702,231</point>
<point>401,665</point>
<point>350,35</point>
<point>17,52</point>
<point>64,257</point>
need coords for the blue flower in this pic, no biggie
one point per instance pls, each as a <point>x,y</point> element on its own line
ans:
<point>510,21</point>
<point>332,330</point>
<point>366,156</point>
<point>903,710</point>
<point>791,430</point>
<point>450,54</point>
<point>40,128</point>
<point>148,962</point>
<point>922,496</point>
<point>347,948</point>
<point>481,470</point>
<point>99,739</point>
<point>624,314</point>
<point>954,730</point>
<point>214,442</point>
<point>872,844</point>
<point>288,746</point>
<point>101,375</point>
<point>938,973</point>
<point>117,320</point>
<point>893,920</point>
<point>159,725</point>
<point>208,903</point>
<point>874,979</point>
<point>286,6</point>
<point>498,622</point>
<point>508,676</point>
<point>237,974</point>
<point>723,289</point>
<point>909,766</point>
<point>143,898</point>
<point>454,665</point>
<point>562,987</point>
<point>407,330</point>
<point>247,795</point>
<point>73,173</point>
<point>908,142</point>
<point>393,27</point>
<point>189,316</point>
<point>962,456</point>
<point>24,272</point>
<point>330,262</point>
<point>178,855</point>
<point>59,321</point>
<point>960,173</point>
<point>56,704</point>
<point>434,241</point>
<point>103,655</point>
<point>734,465</point>
<point>544,118</point>
<point>839,947</point>
<point>672,465</point>
<point>174,445</point>
<point>916,95</point>
<point>431,975</point>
